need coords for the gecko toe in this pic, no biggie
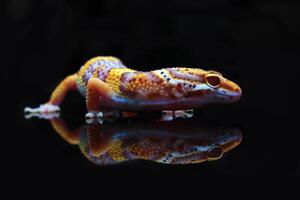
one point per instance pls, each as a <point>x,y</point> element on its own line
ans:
<point>99,115</point>
<point>92,119</point>
<point>94,114</point>
<point>90,115</point>
<point>27,110</point>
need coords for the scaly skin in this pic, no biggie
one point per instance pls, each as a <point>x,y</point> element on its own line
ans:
<point>107,84</point>
<point>162,142</point>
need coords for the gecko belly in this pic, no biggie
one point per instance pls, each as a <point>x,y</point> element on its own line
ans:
<point>123,103</point>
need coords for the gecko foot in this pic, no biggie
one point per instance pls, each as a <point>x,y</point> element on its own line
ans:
<point>93,114</point>
<point>43,109</point>
<point>42,115</point>
<point>168,115</point>
<point>94,117</point>
<point>94,120</point>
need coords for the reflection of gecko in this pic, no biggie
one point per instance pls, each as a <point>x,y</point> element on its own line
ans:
<point>108,84</point>
<point>162,142</point>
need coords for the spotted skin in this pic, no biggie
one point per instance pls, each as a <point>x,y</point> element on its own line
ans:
<point>106,82</point>
<point>156,141</point>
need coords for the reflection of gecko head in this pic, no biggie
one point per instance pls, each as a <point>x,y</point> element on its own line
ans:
<point>162,142</point>
<point>210,146</point>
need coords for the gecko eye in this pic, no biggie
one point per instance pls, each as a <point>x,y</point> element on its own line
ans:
<point>214,153</point>
<point>213,80</point>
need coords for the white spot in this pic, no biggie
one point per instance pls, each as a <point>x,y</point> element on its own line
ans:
<point>202,86</point>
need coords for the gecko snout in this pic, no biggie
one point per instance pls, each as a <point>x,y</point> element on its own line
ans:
<point>236,93</point>
<point>228,92</point>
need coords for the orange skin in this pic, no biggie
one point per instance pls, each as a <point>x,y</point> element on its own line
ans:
<point>107,84</point>
<point>162,142</point>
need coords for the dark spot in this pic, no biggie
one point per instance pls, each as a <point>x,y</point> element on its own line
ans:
<point>168,79</point>
<point>194,86</point>
<point>159,81</point>
<point>161,72</point>
<point>179,88</point>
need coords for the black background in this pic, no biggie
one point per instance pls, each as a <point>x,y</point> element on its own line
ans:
<point>254,43</point>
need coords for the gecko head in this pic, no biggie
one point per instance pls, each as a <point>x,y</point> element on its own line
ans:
<point>216,88</point>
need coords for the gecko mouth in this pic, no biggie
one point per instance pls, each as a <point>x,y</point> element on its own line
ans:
<point>199,93</point>
<point>232,96</point>
<point>209,94</point>
<point>189,159</point>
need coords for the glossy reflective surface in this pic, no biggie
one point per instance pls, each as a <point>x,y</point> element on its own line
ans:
<point>255,43</point>
<point>180,141</point>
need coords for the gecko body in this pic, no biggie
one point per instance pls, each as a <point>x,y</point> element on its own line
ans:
<point>107,83</point>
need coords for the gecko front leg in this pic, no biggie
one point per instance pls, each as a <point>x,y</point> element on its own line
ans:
<point>101,96</point>
<point>57,96</point>
<point>98,92</point>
